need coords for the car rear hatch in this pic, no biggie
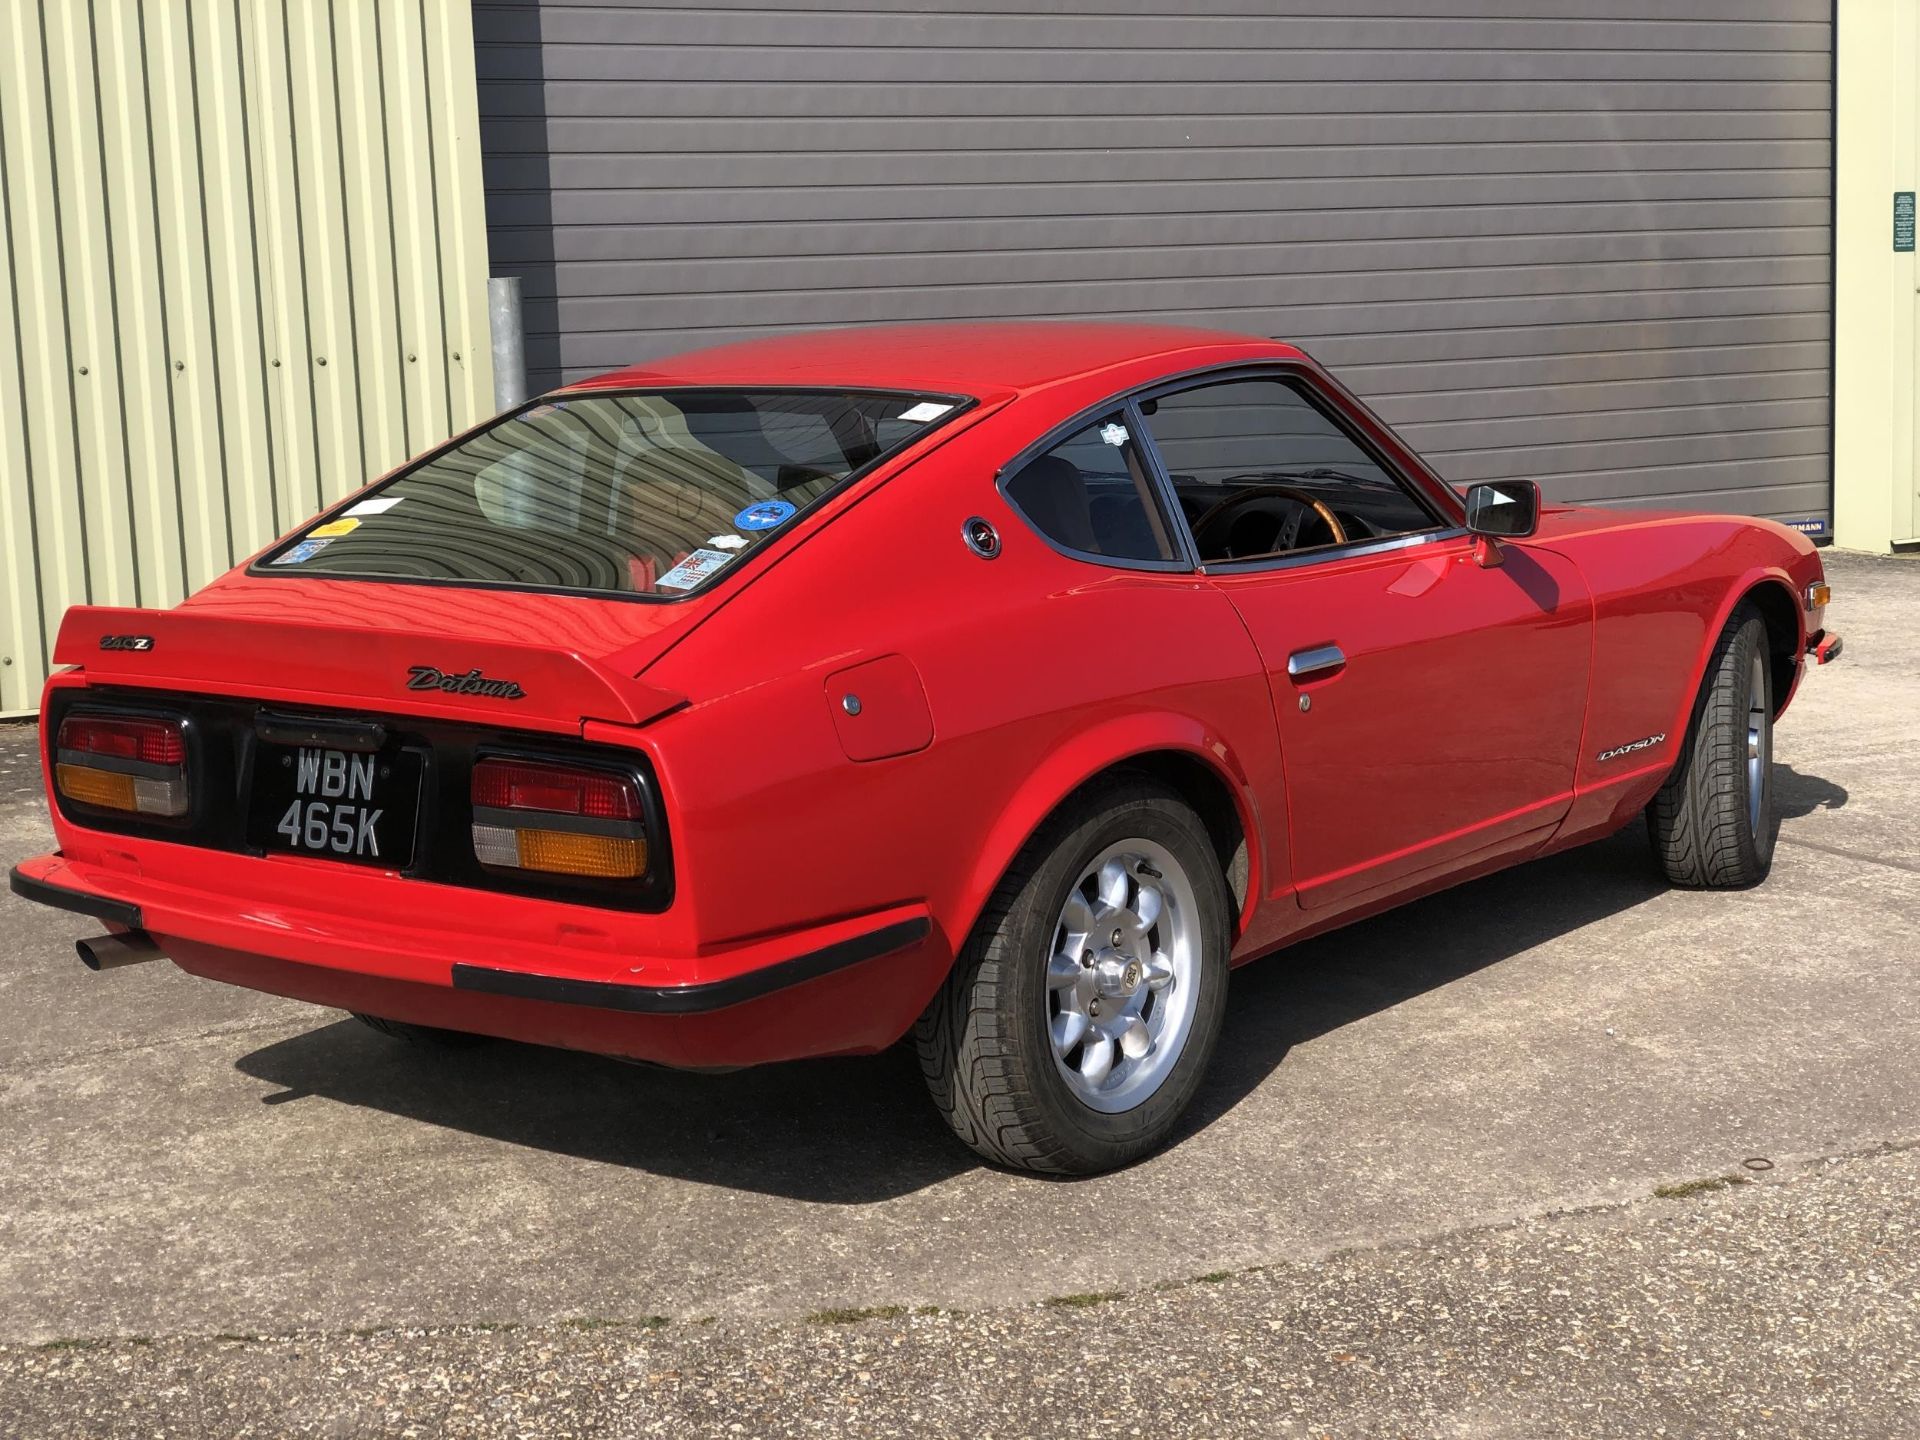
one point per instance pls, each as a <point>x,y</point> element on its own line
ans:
<point>508,659</point>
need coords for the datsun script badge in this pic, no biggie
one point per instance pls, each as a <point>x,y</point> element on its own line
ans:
<point>430,677</point>
<point>1630,747</point>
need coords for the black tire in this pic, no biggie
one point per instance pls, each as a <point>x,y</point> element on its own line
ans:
<point>1702,827</point>
<point>427,1035</point>
<point>984,1043</point>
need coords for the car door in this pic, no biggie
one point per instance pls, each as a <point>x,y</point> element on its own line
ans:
<point>1429,708</point>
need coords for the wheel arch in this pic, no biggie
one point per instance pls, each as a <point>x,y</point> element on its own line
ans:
<point>1780,608</point>
<point>1772,594</point>
<point>1178,751</point>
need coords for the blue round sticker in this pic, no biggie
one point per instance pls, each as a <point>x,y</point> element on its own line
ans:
<point>764,516</point>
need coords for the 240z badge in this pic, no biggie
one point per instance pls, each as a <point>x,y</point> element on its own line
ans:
<point>1630,746</point>
<point>126,642</point>
<point>431,677</point>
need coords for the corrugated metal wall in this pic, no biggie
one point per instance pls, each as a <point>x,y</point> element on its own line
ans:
<point>243,265</point>
<point>1586,241</point>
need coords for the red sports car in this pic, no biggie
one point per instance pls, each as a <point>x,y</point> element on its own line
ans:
<point>1005,684</point>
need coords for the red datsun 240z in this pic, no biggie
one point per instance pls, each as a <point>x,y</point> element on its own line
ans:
<point>1001,684</point>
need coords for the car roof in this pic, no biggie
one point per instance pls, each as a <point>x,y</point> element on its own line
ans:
<point>975,359</point>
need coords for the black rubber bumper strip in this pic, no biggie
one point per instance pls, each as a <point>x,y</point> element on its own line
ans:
<point>695,999</point>
<point>78,901</point>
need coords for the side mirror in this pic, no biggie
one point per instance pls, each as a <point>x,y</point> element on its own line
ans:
<point>1503,510</point>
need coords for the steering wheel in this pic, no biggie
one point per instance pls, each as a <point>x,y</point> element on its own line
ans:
<point>1234,501</point>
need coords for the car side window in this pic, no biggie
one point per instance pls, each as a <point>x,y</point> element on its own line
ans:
<point>1262,471</point>
<point>1091,494</point>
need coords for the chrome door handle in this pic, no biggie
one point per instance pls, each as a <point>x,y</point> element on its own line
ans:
<point>1317,661</point>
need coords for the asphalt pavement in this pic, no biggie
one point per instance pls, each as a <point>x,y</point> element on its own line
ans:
<point>1434,1143</point>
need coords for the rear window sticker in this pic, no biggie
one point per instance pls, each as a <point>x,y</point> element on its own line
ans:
<point>540,412</point>
<point>726,542</point>
<point>303,552</point>
<point>378,505</point>
<point>767,515</point>
<point>692,570</point>
<point>925,410</point>
<point>333,529</point>
<point>1114,433</point>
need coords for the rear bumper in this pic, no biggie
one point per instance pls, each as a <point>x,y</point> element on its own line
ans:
<point>845,987</point>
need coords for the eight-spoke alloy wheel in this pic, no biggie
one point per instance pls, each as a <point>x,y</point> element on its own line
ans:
<point>1120,986</point>
<point>1083,1009</point>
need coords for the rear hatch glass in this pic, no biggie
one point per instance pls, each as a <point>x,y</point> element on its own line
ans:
<point>644,495</point>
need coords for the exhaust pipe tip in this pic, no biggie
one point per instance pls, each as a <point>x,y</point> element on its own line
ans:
<point>110,952</point>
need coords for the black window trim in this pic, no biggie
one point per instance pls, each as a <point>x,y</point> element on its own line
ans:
<point>1302,382</point>
<point>1185,562</point>
<point>1188,563</point>
<point>262,564</point>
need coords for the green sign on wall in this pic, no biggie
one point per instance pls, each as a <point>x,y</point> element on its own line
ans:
<point>1903,220</point>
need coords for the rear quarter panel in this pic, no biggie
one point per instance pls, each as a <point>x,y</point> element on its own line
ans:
<point>1038,671</point>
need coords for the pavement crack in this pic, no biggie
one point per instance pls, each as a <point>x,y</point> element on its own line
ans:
<point>1841,852</point>
<point>130,1047</point>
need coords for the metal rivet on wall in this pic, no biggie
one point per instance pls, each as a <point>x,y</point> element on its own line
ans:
<point>83,369</point>
<point>179,364</point>
<point>323,359</point>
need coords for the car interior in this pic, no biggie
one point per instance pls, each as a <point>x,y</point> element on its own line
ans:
<point>1259,471</point>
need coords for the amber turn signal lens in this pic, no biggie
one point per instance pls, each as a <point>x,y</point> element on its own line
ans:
<point>562,852</point>
<point>95,787</point>
<point>1818,595</point>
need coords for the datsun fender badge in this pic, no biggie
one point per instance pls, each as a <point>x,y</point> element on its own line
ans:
<point>431,677</point>
<point>126,642</point>
<point>1630,747</point>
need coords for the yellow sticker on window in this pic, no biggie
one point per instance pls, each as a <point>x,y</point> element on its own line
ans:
<point>332,529</point>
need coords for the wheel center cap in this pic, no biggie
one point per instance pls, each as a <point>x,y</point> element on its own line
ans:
<point>1116,974</point>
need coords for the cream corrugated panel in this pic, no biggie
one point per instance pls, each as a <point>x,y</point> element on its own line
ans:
<point>242,270</point>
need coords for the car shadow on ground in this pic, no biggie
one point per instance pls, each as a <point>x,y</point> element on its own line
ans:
<point>1795,794</point>
<point>860,1131</point>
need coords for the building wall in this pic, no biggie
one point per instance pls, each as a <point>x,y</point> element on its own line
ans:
<point>1586,241</point>
<point>242,265</point>
<point>1875,480</point>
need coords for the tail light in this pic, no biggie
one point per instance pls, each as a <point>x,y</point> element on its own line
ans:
<point>128,763</point>
<point>558,819</point>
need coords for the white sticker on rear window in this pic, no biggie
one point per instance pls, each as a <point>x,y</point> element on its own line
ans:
<point>692,570</point>
<point>1113,433</point>
<point>925,410</point>
<point>726,542</point>
<point>378,505</point>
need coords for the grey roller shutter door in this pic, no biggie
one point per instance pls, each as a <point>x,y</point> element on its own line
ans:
<point>1587,242</point>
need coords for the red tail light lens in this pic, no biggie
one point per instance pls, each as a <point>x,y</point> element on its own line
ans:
<point>555,789</point>
<point>129,763</point>
<point>154,742</point>
<point>559,819</point>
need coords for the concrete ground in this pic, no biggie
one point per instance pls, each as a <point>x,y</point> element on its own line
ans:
<point>1431,1145</point>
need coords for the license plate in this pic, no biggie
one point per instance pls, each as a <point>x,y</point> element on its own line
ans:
<point>336,804</point>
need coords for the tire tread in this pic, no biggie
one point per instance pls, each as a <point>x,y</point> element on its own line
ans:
<point>1697,822</point>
